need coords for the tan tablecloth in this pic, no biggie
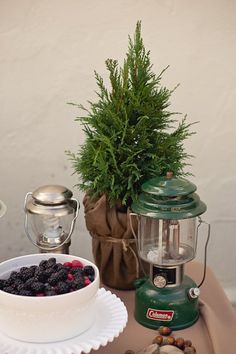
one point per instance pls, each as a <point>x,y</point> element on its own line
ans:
<point>213,333</point>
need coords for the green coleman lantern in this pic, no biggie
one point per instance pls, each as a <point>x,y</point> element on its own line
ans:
<point>168,210</point>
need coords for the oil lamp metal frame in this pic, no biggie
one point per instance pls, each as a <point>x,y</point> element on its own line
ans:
<point>167,210</point>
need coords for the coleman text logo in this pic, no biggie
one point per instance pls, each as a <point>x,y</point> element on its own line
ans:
<point>160,315</point>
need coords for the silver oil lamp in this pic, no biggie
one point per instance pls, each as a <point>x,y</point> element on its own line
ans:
<point>168,210</point>
<point>50,214</point>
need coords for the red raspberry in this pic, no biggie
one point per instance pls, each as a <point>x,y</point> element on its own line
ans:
<point>76,264</point>
<point>70,276</point>
<point>67,264</point>
<point>87,281</point>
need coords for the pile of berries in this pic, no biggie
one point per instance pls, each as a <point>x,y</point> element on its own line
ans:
<point>48,278</point>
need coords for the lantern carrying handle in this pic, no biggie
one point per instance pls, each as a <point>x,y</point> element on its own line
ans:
<point>205,249</point>
<point>69,234</point>
<point>131,226</point>
<point>136,238</point>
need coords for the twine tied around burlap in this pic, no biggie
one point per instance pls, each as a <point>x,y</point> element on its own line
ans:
<point>113,244</point>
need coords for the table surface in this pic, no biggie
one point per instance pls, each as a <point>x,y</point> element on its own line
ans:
<point>211,334</point>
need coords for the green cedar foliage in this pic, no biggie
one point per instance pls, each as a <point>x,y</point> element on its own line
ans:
<point>131,135</point>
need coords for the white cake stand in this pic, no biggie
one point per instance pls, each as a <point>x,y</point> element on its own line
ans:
<point>110,318</point>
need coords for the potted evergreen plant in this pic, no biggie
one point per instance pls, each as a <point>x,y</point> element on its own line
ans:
<point>131,136</point>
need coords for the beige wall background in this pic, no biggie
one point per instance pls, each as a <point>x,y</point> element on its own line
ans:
<point>48,51</point>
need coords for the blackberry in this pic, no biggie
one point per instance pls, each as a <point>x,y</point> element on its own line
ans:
<point>38,271</point>
<point>91,277</point>
<point>9,289</point>
<point>77,272</point>
<point>88,270</point>
<point>18,282</point>
<point>70,284</point>
<point>50,293</point>
<point>24,292</point>
<point>48,287</point>
<point>66,267</point>
<point>42,276</point>
<point>29,282</point>
<point>20,287</point>
<point>14,275</point>
<point>8,282</point>
<point>58,266</point>
<point>22,269</point>
<point>51,262</point>
<point>48,272</point>
<point>58,276</point>
<point>62,287</point>
<point>26,274</point>
<point>43,264</point>
<point>37,287</point>
<point>2,284</point>
<point>62,273</point>
<point>78,284</point>
<point>54,279</point>
<point>33,268</point>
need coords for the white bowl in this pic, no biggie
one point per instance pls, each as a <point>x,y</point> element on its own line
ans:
<point>49,318</point>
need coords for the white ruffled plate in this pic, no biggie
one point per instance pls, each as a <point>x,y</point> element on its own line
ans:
<point>110,319</point>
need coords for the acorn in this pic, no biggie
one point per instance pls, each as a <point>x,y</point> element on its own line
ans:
<point>189,350</point>
<point>179,342</point>
<point>164,331</point>
<point>158,340</point>
<point>165,341</point>
<point>170,340</point>
<point>187,343</point>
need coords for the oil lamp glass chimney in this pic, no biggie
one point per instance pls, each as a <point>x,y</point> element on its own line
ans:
<point>50,215</point>
<point>167,209</point>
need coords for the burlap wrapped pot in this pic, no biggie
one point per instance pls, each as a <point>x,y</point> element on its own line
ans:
<point>113,243</point>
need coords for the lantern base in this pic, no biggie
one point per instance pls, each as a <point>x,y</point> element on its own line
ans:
<point>170,306</point>
<point>45,248</point>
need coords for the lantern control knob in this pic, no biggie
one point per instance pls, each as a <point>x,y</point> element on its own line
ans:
<point>194,293</point>
<point>160,280</point>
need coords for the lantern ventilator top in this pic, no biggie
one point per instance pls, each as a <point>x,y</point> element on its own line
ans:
<point>48,198</point>
<point>168,197</point>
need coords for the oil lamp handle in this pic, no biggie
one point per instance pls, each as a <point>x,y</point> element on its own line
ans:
<point>68,236</point>
<point>26,220</point>
<point>3,208</point>
<point>205,248</point>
